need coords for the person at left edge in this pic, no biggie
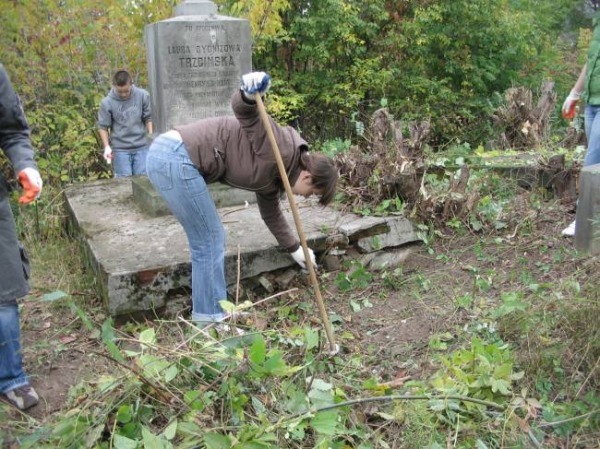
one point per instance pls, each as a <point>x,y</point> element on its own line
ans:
<point>124,125</point>
<point>14,141</point>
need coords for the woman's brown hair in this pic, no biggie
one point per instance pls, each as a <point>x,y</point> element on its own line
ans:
<point>324,175</point>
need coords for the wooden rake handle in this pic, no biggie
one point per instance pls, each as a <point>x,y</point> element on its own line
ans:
<point>333,349</point>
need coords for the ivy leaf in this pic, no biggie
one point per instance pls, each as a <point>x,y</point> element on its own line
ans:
<point>503,371</point>
<point>124,414</point>
<point>312,338</point>
<point>108,335</point>
<point>148,337</point>
<point>58,294</point>
<point>275,364</point>
<point>321,393</point>
<point>501,386</point>
<point>259,407</point>
<point>297,402</point>
<point>121,442</point>
<point>214,440</point>
<point>150,440</point>
<point>320,384</point>
<point>517,376</point>
<point>171,430</point>
<point>258,351</point>
<point>171,373</point>
<point>325,422</point>
<point>227,306</point>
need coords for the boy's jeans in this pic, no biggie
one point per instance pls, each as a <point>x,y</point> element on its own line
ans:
<point>129,163</point>
<point>181,184</point>
<point>592,131</point>
<point>11,361</point>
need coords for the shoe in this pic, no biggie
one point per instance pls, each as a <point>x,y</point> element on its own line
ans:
<point>569,231</point>
<point>22,397</point>
<point>221,330</point>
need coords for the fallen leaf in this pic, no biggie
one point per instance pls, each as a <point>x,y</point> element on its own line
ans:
<point>66,339</point>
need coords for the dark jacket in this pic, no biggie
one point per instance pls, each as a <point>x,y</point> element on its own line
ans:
<point>235,150</point>
<point>14,141</point>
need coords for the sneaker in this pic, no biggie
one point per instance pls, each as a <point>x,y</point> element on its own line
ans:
<point>22,397</point>
<point>221,330</point>
<point>226,329</point>
<point>569,231</point>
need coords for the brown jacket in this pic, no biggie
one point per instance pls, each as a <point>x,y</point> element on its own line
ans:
<point>235,150</point>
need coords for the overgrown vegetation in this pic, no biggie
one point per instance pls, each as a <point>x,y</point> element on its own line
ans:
<point>511,362</point>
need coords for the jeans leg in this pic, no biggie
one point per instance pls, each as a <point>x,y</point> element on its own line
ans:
<point>11,360</point>
<point>592,131</point>
<point>182,186</point>
<point>139,161</point>
<point>122,164</point>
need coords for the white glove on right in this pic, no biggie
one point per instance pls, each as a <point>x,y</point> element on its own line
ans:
<point>255,82</point>
<point>570,102</point>
<point>107,154</point>
<point>298,257</point>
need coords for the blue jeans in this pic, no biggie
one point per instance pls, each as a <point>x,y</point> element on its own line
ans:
<point>11,361</point>
<point>129,162</point>
<point>592,131</point>
<point>181,184</point>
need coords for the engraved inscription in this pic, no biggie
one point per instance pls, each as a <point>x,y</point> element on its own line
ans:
<point>201,68</point>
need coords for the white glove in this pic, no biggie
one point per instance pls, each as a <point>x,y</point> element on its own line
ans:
<point>107,154</point>
<point>298,257</point>
<point>570,102</point>
<point>31,182</point>
<point>255,82</point>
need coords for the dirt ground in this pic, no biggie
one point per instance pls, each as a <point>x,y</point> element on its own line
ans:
<point>393,325</point>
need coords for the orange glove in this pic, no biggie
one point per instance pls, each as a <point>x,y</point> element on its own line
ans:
<point>31,181</point>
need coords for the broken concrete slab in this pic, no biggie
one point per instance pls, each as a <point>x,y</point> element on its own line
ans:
<point>140,261</point>
<point>384,260</point>
<point>587,227</point>
<point>400,233</point>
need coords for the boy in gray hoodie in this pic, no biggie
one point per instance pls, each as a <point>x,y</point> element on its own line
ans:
<point>124,124</point>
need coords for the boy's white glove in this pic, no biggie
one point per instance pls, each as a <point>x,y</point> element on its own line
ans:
<point>298,257</point>
<point>107,154</point>
<point>255,83</point>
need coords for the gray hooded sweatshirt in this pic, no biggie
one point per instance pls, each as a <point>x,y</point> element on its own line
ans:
<point>126,119</point>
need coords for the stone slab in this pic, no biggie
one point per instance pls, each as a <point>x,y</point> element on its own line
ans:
<point>153,205</point>
<point>587,220</point>
<point>141,261</point>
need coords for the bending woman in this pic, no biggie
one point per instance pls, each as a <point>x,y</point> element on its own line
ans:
<point>234,150</point>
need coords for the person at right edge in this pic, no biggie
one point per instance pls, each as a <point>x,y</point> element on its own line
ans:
<point>587,89</point>
<point>14,265</point>
<point>233,150</point>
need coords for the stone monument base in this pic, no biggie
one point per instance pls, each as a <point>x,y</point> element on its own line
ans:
<point>141,260</point>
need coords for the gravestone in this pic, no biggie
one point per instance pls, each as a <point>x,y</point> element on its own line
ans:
<point>587,227</point>
<point>195,62</point>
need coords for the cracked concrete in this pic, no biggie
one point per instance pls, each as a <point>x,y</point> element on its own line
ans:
<point>140,259</point>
